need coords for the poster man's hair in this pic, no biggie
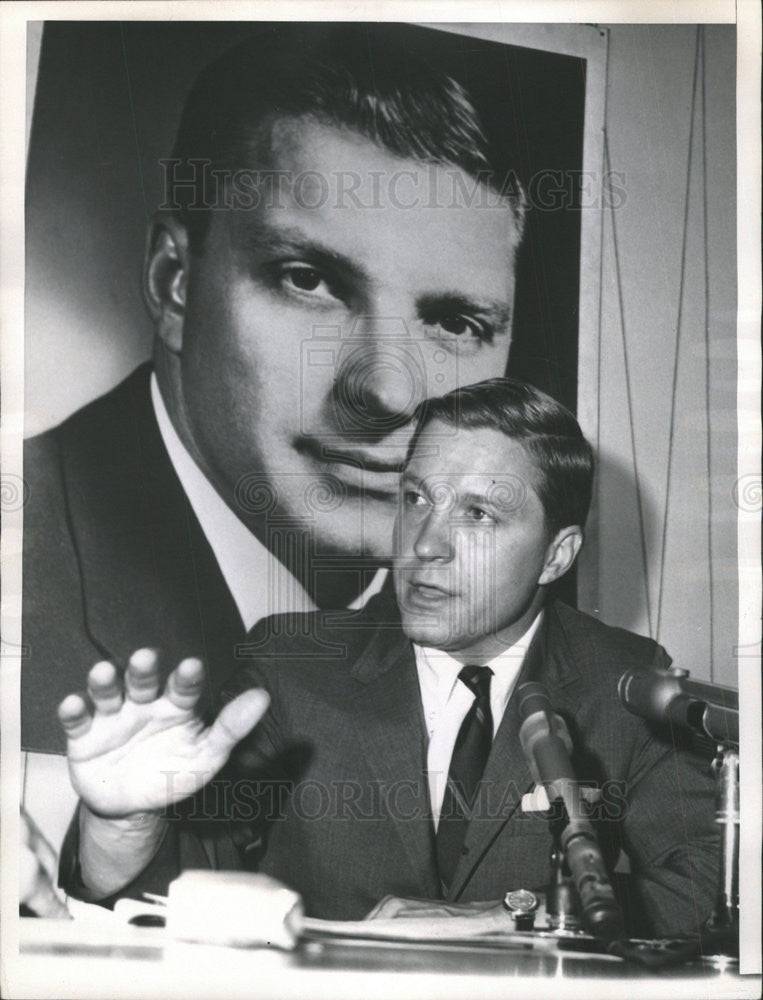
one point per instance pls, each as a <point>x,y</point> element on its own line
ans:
<point>364,78</point>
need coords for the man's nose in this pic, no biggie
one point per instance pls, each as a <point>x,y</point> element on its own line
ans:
<point>380,377</point>
<point>433,539</point>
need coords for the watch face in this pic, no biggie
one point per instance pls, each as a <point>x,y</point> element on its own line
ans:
<point>521,901</point>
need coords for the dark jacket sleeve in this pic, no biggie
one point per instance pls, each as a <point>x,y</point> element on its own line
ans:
<point>670,834</point>
<point>671,838</point>
<point>155,877</point>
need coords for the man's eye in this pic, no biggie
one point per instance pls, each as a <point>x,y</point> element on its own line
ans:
<point>478,514</point>
<point>413,498</point>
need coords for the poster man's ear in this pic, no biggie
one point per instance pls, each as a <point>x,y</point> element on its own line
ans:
<point>165,270</point>
<point>561,553</point>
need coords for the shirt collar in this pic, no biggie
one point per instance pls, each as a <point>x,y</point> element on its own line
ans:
<point>259,583</point>
<point>442,669</point>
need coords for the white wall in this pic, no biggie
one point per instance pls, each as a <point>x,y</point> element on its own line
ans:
<point>648,110</point>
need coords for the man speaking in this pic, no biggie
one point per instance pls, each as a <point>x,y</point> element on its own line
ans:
<point>389,759</point>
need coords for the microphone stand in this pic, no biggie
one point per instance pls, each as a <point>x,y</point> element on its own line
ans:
<point>546,744</point>
<point>710,712</point>
<point>562,899</point>
<point>725,915</point>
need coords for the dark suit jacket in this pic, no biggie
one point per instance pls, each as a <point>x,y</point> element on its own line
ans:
<point>114,557</point>
<point>337,767</point>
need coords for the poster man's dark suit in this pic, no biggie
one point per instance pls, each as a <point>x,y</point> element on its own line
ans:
<point>345,741</point>
<point>114,557</point>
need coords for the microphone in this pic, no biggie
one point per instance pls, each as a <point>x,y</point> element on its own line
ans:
<point>670,697</point>
<point>547,745</point>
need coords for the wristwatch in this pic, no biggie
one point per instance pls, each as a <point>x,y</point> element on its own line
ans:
<point>521,904</point>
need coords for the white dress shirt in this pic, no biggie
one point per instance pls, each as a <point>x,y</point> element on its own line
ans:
<point>446,700</point>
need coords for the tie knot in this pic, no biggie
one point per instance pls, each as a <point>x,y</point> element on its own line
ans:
<point>477,679</point>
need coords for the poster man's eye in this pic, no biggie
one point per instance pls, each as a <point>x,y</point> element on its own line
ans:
<point>458,326</point>
<point>460,329</point>
<point>306,280</point>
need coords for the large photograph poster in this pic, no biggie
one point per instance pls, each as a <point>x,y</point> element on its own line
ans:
<point>175,497</point>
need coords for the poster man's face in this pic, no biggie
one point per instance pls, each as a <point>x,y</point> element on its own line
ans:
<point>472,542</point>
<point>315,323</point>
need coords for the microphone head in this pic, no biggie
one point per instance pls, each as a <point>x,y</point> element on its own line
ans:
<point>544,736</point>
<point>671,698</point>
<point>648,692</point>
<point>533,697</point>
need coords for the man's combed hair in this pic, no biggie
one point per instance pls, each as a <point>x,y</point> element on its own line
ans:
<point>547,430</point>
<point>364,78</point>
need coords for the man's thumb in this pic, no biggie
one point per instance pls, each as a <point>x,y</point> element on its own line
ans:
<point>237,719</point>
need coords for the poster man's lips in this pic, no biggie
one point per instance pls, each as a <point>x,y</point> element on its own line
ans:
<point>428,589</point>
<point>368,461</point>
<point>363,474</point>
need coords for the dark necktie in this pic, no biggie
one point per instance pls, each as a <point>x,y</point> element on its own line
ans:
<point>467,765</point>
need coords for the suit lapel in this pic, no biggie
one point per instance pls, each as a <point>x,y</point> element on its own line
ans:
<point>507,774</point>
<point>391,735</point>
<point>149,576</point>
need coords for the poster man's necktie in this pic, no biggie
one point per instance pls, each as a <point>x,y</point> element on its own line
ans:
<point>467,765</point>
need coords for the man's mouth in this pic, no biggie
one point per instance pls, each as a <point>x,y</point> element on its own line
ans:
<point>373,474</point>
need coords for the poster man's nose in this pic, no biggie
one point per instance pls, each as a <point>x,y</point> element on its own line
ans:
<point>380,377</point>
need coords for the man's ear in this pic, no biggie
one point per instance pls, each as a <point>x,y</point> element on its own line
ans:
<point>165,270</point>
<point>561,553</point>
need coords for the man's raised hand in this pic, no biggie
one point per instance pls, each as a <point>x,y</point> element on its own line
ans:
<point>141,752</point>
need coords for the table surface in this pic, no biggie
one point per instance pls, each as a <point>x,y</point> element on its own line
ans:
<point>69,959</point>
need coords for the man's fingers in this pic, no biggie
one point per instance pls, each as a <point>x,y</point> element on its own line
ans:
<point>185,683</point>
<point>142,676</point>
<point>105,688</point>
<point>380,910</point>
<point>237,719</point>
<point>386,908</point>
<point>74,716</point>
